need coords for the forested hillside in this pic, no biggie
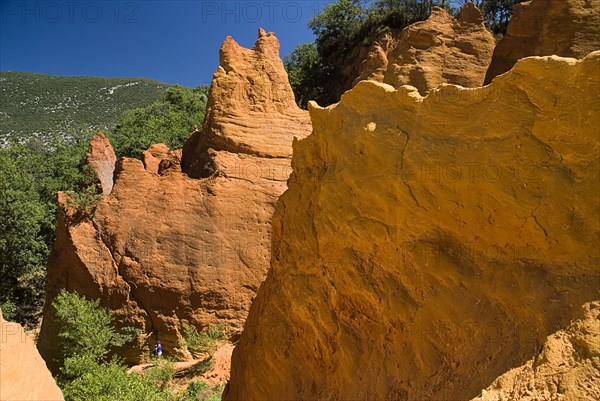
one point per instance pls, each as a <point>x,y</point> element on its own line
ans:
<point>35,167</point>
<point>41,106</point>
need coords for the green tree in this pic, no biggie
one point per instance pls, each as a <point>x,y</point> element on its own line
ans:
<point>337,25</point>
<point>22,247</point>
<point>308,73</point>
<point>168,121</point>
<point>86,335</point>
<point>31,175</point>
<point>87,331</point>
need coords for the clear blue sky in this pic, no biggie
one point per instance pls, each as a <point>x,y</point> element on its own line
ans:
<point>172,41</point>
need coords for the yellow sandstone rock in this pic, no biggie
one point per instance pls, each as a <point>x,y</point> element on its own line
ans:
<point>426,246</point>
<point>568,28</point>
<point>23,373</point>
<point>567,366</point>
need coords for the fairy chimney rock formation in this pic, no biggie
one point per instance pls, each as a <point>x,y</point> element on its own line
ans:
<point>101,157</point>
<point>251,108</point>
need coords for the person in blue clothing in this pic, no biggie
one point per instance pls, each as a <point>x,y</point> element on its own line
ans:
<point>158,350</point>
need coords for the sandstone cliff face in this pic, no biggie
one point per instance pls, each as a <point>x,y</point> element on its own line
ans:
<point>567,368</point>
<point>24,375</point>
<point>442,49</point>
<point>426,246</point>
<point>164,248</point>
<point>568,28</point>
<point>101,157</point>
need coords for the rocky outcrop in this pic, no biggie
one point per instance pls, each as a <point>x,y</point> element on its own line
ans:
<point>251,108</point>
<point>426,54</point>
<point>568,28</point>
<point>426,246</point>
<point>164,248</point>
<point>567,368</point>
<point>24,374</point>
<point>158,158</point>
<point>101,157</point>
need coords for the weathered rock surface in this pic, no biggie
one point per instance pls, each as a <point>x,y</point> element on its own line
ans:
<point>158,158</point>
<point>568,28</point>
<point>567,368</point>
<point>441,49</point>
<point>251,108</point>
<point>101,157</point>
<point>23,373</point>
<point>426,246</point>
<point>164,248</point>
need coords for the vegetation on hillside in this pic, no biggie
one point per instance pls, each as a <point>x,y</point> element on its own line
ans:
<point>315,68</point>
<point>88,373</point>
<point>34,170</point>
<point>43,106</point>
<point>30,176</point>
<point>169,121</point>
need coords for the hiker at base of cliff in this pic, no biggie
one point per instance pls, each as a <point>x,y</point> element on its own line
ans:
<point>157,350</point>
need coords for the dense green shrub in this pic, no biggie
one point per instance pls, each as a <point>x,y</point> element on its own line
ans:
<point>30,176</point>
<point>201,391</point>
<point>204,341</point>
<point>169,121</point>
<point>86,335</point>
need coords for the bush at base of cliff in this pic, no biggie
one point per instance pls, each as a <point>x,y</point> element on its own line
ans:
<point>202,342</point>
<point>201,391</point>
<point>86,335</point>
<point>108,382</point>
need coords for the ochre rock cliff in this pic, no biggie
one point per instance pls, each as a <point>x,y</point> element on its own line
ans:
<point>568,28</point>
<point>567,368</point>
<point>101,157</point>
<point>426,246</point>
<point>164,248</point>
<point>23,373</point>
<point>441,49</point>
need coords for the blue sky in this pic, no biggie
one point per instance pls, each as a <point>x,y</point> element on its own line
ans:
<point>172,41</point>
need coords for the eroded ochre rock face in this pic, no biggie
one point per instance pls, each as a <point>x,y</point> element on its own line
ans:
<point>24,375</point>
<point>163,248</point>
<point>568,28</point>
<point>426,246</point>
<point>441,49</point>
<point>568,366</point>
<point>101,157</point>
